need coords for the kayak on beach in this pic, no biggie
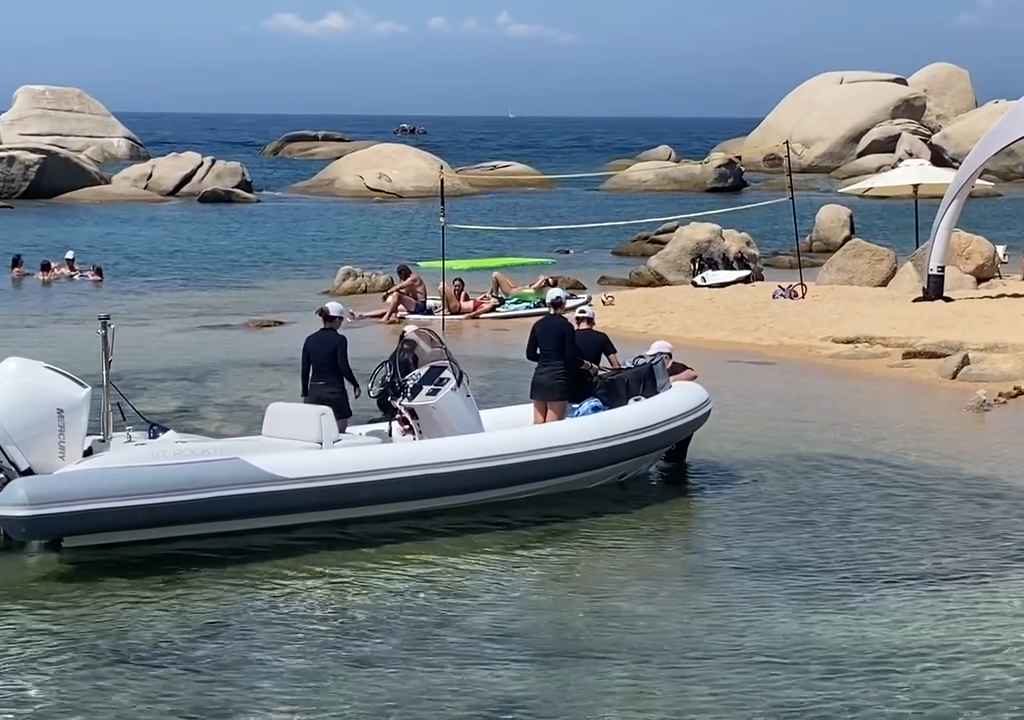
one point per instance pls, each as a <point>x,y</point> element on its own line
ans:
<point>492,263</point>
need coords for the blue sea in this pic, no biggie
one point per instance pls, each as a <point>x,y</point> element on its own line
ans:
<point>185,245</point>
<point>839,546</point>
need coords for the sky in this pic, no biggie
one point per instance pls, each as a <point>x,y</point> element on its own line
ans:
<point>477,57</point>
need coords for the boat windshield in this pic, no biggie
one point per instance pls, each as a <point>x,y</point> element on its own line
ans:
<point>420,347</point>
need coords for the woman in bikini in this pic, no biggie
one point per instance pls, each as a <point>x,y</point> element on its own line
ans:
<point>458,302</point>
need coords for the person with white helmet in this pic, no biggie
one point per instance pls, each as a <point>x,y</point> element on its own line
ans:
<point>592,346</point>
<point>325,366</point>
<point>677,371</point>
<point>552,345</point>
<point>70,268</point>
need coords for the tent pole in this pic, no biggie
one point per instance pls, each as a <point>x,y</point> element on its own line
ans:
<point>917,226</point>
<point>444,251</point>
<point>796,229</point>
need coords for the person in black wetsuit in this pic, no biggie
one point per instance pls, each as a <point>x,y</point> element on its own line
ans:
<point>552,345</point>
<point>325,366</point>
<point>592,346</point>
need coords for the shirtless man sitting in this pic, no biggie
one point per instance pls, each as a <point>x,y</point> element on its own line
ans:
<point>458,302</point>
<point>410,294</point>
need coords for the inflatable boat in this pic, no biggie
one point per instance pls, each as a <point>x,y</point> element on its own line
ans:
<point>436,449</point>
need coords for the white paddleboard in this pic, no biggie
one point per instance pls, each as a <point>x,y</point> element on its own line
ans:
<point>720,278</point>
<point>435,304</point>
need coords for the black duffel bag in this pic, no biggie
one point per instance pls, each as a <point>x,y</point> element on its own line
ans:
<point>617,387</point>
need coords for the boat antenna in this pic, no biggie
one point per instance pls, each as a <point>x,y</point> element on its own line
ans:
<point>444,251</point>
<point>791,187</point>
<point>106,333</point>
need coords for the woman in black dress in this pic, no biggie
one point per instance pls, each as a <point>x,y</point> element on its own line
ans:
<point>325,366</point>
<point>552,345</point>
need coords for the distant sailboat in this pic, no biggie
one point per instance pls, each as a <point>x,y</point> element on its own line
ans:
<point>510,115</point>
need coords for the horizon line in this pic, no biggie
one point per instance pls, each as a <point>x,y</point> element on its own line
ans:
<point>444,115</point>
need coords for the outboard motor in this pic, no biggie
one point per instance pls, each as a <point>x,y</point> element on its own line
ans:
<point>44,417</point>
<point>427,388</point>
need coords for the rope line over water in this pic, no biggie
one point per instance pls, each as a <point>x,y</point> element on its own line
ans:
<point>616,223</point>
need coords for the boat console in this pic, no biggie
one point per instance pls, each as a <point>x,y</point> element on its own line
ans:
<point>424,390</point>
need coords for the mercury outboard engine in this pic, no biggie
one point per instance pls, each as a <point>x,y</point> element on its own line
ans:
<point>426,387</point>
<point>44,418</point>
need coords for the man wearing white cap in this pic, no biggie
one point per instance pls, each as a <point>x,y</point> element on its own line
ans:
<point>593,346</point>
<point>677,371</point>
<point>70,268</point>
<point>325,366</point>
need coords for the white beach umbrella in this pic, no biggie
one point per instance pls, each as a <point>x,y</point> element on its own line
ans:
<point>910,177</point>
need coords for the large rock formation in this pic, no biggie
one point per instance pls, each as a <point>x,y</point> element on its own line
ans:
<point>911,147</point>
<point>68,118</point>
<point>314,145</point>
<point>732,146</point>
<point>908,281</point>
<point>948,90</point>
<point>351,280</point>
<point>386,171</point>
<point>35,171</point>
<point>663,153</point>
<point>99,194</point>
<point>725,249</point>
<point>716,173</point>
<point>867,165</point>
<point>972,254</point>
<point>185,174</point>
<point>503,175</point>
<point>825,117</point>
<point>859,263</point>
<point>958,138</point>
<point>833,228</point>
<point>884,136</point>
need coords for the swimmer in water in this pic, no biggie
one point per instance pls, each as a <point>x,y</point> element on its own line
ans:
<point>46,272</point>
<point>18,267</point>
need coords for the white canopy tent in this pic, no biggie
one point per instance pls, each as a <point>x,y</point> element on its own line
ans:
<point>1003,134</point>
<point>910,177</point>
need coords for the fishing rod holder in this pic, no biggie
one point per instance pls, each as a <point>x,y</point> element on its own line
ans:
<point>106,334</point>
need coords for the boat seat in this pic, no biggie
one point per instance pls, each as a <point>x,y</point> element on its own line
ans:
<point>300,422</point>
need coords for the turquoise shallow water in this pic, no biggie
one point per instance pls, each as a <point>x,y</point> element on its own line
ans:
<point>844,547</point>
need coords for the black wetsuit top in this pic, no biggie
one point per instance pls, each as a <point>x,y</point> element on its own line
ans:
<point>592,345</point>
<point>552,342</point>
<point>325,353</point>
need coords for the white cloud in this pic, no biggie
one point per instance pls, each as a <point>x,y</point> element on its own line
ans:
<point>332,23</point>
<point>290,23</point>
<point>439,24</point>
<point>514,29</point>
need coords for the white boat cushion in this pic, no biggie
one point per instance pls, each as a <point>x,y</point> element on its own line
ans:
<point>301,422</point>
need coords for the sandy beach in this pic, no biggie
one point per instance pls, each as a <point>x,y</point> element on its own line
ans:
<point>866,329</point>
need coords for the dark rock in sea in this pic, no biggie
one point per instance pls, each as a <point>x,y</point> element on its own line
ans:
<point>263,323</point>
<point>226,195</point>
<point>788,262</point>
<point>567,282</point>
<point>925,352</point>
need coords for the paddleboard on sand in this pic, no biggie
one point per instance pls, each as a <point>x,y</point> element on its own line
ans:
<point>435,304</point>
<point>720,278</point>
<point>492,263</point>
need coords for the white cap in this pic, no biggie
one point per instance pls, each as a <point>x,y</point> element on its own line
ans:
<point>660,347</point>
<point>410,329</point>
<point>585,311</point>
<point>335,309</point>
<point>555,294</point>
<point>69,255</point>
